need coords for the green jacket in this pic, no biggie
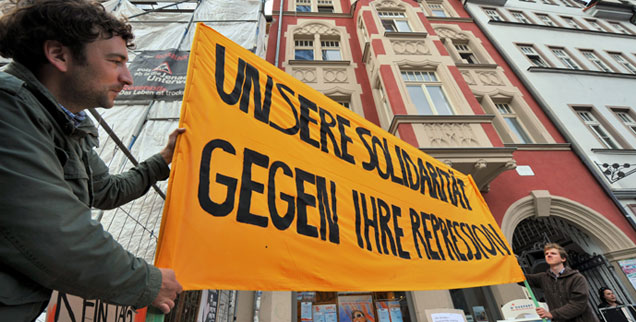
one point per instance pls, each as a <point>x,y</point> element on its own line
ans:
<point>50,177</point>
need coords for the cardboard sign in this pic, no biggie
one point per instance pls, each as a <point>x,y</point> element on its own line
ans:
<point>69,308</point>
<point>276,187</point>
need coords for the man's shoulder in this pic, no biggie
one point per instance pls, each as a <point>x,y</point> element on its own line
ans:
<point>10,83</point>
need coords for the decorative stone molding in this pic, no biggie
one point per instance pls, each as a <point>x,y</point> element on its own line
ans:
<point>490,78</point>
<point>450,135</point>
<point>389,5</point>
<point>410,47</point>
<point>468,77</point>
<point>445,32</point>
<point>316,28</point>
<point>609,237</point>
<point>335,75</point>
<point>305,75</point>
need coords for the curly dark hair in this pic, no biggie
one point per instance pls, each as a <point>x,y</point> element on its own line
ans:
<point>74,23</point>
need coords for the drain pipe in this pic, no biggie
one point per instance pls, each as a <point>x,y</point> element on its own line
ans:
<point>553,118</point>
<point>280,26</point>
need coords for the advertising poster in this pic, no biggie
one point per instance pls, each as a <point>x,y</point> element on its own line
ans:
<point>325,313</point>
<point>629,268</point>
<point>274,170</point>
<point>355,308</point>
<point>157,74</point>
<point>208,307</point>
<point>447,317</point>
<point>305,311</point>
<point>390,309</point>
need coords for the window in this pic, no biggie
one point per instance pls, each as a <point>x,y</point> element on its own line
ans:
<point>394,21</point>
<point>303,5</point>
<point>351,306</point>
<point>569,3</point>
<point>304,50</point>
<point>520,17</point>
<point>513,123</point>
<point>565,58</point>
<point>571,22</point>
<point>592,57</point>
<point>620,28</point>
<point>549,2</point>
<point>437,10</point>
<point>466,54</point>
<point>426,93</point>
<point>627,119</point>
<point>325,6</point>
<point>546,20</point>
<point>599,131</point>
<point>493,14</point>
<point>621,60</point>
<point>595,25</point>
<point>533,56</point>
<point>330,50</point>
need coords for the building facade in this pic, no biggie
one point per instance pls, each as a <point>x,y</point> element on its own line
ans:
<point>425,72</point>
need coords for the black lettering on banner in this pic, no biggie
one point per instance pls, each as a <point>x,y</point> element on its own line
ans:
<point>457,195</point>
<point>373,158</point>
<point>243,214</point>
<point>413,179</point>
<point>439,186</point>
<point>399,233</point>
<point>373,223</point>
<point>461,186</point>
<point>328,217</point>
<point>345,139</point>
<point>495,239</point>
<point>417,235</point>
<point>431,183</point>
<point>402,167</point>
<point>449,246</point>
<point>281,223</point>
<point>211,207</point>
<point>469,255</point>
<point>233,97</point>
<point>356,205</point>
<point>435,225</point>
<point>469,234</point>
<point>385,216</point>
<point>375,141</point>
<point>325,132</point>
<point>428,236</point>
<point>446,178</point>
<point>452,232</point>
<point>305,106</point>
<point>282,88</point>
<point>302,201</point>
<point>492,251</point>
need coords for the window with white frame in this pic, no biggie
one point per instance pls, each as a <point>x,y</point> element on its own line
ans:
<point>325,6</point>
<point>437,9</point>
<point>303,5</point>
<point>465,53</point>
<point>546,20</point>
<point>597,26</point>
<point>533,56</point>
<point>344,101</point>
<point>565,58</point>
<point>550,2</point>
<point>590,120</point>
<point>426,92</point>
<point>569,3</point>
<point>330,50</point>
<point>394,21</point>
<point>594,59</point>
<point>571,22</point>
<point>510,117</point>
<point>520,17</point>
<point>303,49</point>
<point>493,14</point>
<point>626,118</point>
<point>621,60</point>
<point>620,28</point>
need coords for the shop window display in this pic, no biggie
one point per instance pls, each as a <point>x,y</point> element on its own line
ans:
<point>352,307</point>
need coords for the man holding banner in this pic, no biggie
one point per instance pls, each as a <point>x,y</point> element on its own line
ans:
<point>566,290</point>
<point>68,55</point>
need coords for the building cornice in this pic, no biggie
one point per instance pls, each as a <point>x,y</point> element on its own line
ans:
<point>393,34</point>
<point>319,62</point>
<point>476,66</point>
<point>536,69</point>
<point>541,146</point>
<point>313,14</point>
<point>556,28</point>
<point>454,19</point>
<point>409,119</point>
<point>615,151</point>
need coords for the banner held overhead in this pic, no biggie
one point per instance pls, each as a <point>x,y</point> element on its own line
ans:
<point>277,187</point>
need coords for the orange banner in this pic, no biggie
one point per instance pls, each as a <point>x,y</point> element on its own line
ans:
<point>276,187</point>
